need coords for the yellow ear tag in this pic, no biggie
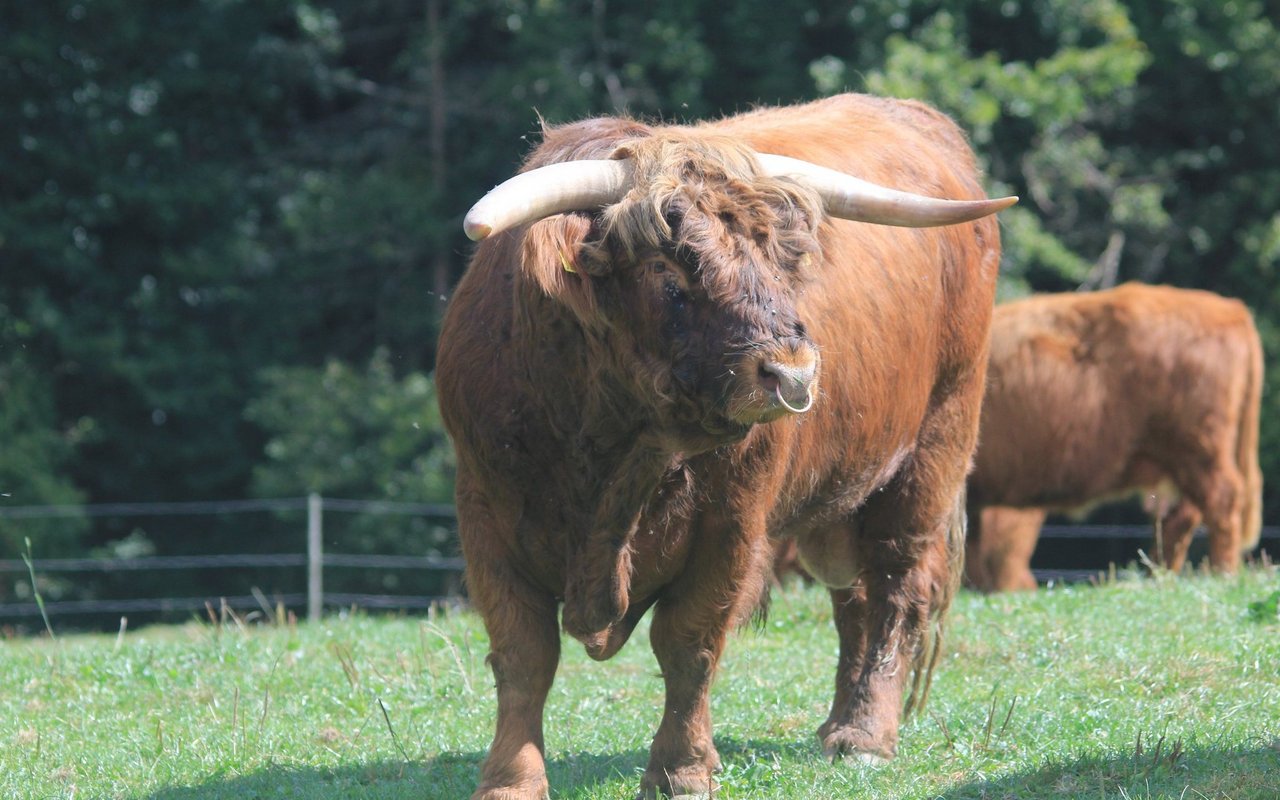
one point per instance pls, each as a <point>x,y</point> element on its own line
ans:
<point>564,262</point>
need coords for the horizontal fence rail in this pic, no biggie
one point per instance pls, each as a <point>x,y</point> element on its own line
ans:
<point>155,509</point>
<point>238,560</point>
<point>153,563</point>
<point>315,560</point>
<point>333,599</point>
<point>1123,532</point>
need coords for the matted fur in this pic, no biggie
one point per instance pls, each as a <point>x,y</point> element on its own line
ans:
<point>728,211</point>
<point>1097,395</point>
<point>603,376</point>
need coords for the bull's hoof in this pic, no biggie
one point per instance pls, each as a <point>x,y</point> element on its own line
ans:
<point>690,782</point>
<point>533,790</point>
<point>856,745</point>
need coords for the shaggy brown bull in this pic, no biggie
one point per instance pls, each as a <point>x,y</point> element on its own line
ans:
<point>629,370</point>
<point>1096,395</point>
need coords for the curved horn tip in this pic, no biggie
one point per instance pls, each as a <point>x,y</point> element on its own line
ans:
<point>476,230</point>
<point>1006,202</point>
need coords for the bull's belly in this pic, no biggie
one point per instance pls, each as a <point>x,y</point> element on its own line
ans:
<point>831,559</point>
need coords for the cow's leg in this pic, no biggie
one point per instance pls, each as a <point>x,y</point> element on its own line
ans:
<point>1177,526</point>
<point>1219,493</point>
<point>724,583</point>
<point>1005,546</point>
<point>524,649</point>
<point>904,535</point>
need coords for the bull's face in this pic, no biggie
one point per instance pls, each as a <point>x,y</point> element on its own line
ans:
<point>691,294</point>
<point>713,332</point>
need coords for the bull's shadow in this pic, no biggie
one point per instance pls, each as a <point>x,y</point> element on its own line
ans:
<point>1242,774</point>
<point>448,776</point>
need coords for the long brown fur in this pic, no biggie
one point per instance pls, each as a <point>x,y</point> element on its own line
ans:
<point>1097,395</point>
<point>610,463</point>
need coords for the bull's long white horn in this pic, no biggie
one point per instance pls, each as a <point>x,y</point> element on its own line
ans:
<point>553,189</point>
<point>847,197</point>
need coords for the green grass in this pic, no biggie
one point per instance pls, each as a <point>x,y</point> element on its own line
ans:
<point>1137,689</point>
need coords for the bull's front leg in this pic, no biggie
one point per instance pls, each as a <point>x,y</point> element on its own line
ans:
<point>725,582</point>
<point>598,574</point>
<point>524,649</point>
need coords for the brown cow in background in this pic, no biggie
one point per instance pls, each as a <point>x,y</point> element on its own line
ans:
<point>1095,395</point>
<point>673,345</point>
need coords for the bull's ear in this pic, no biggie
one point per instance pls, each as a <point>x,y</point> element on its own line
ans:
<point>552,258</point>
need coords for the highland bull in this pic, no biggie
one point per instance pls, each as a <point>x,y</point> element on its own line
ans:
<point>677,341</point>
<point>1100,394</point>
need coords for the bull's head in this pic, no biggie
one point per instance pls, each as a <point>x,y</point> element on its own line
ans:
<point>691,266</point>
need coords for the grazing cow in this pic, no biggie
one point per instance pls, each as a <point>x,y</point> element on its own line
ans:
<point>1100,394</point>
<point>630,369</point>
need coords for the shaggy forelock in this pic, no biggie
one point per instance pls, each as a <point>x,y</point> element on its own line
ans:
<point>725,213</point>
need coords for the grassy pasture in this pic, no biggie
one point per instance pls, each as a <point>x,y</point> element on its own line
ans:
<point>1152,688</point>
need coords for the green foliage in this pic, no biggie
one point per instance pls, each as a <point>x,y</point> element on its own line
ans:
<point>1266,609</point>
<point>1043,104</point>
<point>347,433</point>
<point>134,167</point>
<point>35,455</point>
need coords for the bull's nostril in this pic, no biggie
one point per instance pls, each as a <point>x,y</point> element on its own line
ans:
<point>790,383</point>
<point>770,377</point>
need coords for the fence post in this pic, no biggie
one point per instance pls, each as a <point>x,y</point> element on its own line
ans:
<point>315,557</point>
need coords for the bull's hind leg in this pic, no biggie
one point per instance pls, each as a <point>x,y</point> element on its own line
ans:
<point>524,649</point>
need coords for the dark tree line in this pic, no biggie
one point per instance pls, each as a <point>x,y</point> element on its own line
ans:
<point>228,229</point>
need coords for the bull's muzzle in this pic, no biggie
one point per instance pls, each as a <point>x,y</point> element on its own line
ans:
<point>771,381</point>
<point>790,384</point>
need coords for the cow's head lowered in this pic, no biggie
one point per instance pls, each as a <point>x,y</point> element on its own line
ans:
<point>687,267</point>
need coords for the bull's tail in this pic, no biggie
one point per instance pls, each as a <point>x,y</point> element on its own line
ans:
<point>1247,448</point>
<point>945,582</point>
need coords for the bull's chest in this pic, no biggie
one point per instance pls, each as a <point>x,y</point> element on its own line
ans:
<point>554,527</point>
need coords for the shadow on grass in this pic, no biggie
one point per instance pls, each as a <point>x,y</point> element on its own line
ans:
<point>1238,774</point>
<point>448,776</point>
